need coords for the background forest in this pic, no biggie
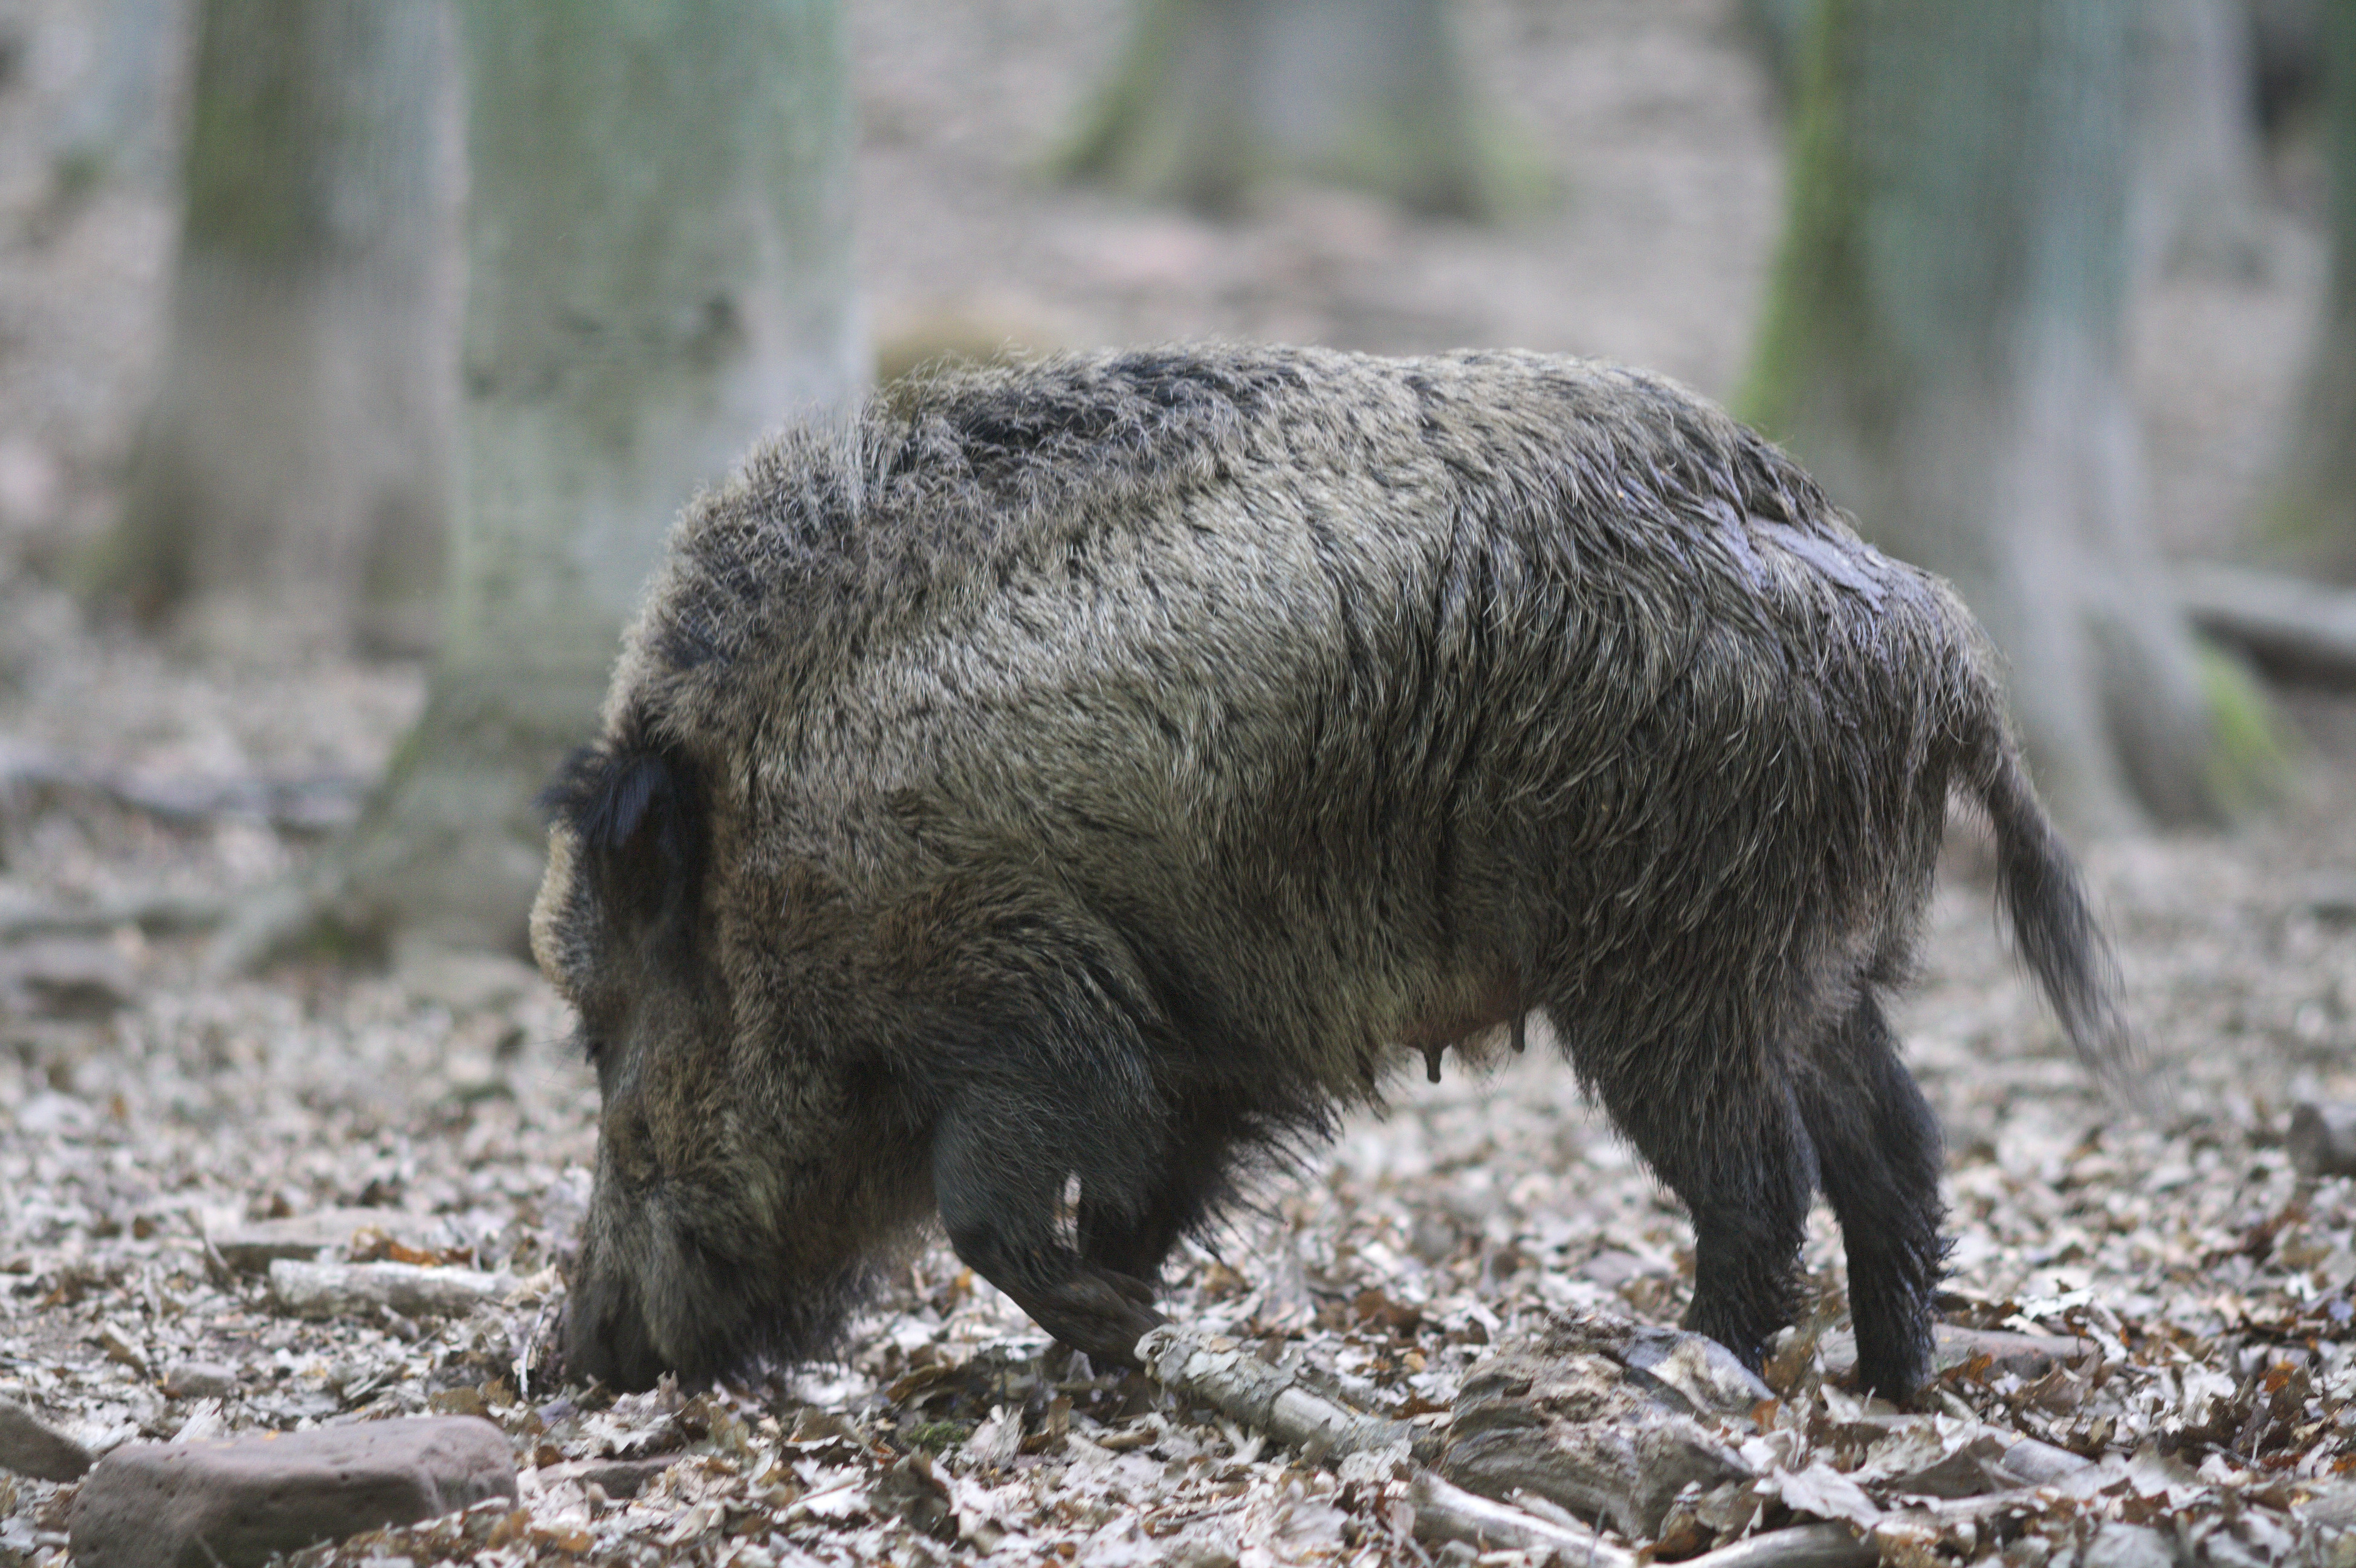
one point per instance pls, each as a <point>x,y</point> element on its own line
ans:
<point>356,354</point>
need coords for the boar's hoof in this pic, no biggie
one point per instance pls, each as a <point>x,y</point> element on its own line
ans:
<point>1100,1313</point>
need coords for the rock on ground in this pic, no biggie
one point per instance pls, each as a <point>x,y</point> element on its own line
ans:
<point>198,1504</point>
<point>29,1447</point>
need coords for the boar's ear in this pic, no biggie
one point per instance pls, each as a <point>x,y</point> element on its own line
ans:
<point>636,816</point>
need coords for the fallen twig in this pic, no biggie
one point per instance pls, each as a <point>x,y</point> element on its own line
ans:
<point>2027,1355</point>
<point>1445,1511</point>
<point>1592,1412</point>
<point>1268,1398</point>
<point>615,1477</point>
<point>346,1289</point>
<point>1231,1380</point>
<point>252,1245</point>
<point>1800,1546</point>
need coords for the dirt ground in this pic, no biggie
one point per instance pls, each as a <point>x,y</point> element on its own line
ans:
<point>145,1108</point>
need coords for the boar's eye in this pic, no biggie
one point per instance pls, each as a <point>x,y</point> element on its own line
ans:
<point>636,810</point>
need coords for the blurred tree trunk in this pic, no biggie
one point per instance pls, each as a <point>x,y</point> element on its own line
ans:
<point>1777,31</point>
<point>2197,152</point>
<point>660,272</point>
<point>1944,348</point>
<point>120,119</point>
<point>2311,516</point>
<point>1214,96</point>
<point>2288,49</point>
<point>293,476</point>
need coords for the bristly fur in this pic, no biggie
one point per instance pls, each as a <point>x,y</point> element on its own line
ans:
<point>1108,767</point>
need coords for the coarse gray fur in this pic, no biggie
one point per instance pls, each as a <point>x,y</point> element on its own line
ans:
<point>1104,768</point>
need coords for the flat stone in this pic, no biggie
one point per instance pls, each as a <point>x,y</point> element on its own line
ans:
<point>362,1290</point>
<point>251,1246</point>
<point>199,1381</point>
<point>234,1503</point>
<point>29,1446</point>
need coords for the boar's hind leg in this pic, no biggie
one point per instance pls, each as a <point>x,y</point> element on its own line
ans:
<point>1733,1149</point>
<point>1878,1149</point>
<point>1000,1162</point>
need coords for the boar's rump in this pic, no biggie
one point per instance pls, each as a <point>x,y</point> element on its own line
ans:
<point>1103,769</point>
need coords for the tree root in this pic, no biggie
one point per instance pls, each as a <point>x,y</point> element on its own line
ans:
<point>1232,1379</point>
<point>2292,627</point>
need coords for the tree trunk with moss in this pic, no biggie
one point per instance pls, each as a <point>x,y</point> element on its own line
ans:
<point>660,273</point>
<point>1945,348</point>
<point>1212,97</point>
<point>292,477</point>
<point>2310,519</point>
<point>2196,136</point>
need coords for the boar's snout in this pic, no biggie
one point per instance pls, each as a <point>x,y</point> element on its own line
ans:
<point>605,1333</point>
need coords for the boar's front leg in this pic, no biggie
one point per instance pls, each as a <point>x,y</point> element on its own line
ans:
<point>1001,1155</point>
<point>1190,1180</point>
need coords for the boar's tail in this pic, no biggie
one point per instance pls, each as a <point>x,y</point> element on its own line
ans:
<point>2054,923</point>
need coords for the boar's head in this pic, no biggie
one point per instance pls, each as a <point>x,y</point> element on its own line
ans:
<point>725,1223</point>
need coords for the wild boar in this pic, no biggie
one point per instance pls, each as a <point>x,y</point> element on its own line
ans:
<point>1097,770</point>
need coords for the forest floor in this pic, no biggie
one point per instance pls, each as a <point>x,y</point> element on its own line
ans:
<point>148,1113</point>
